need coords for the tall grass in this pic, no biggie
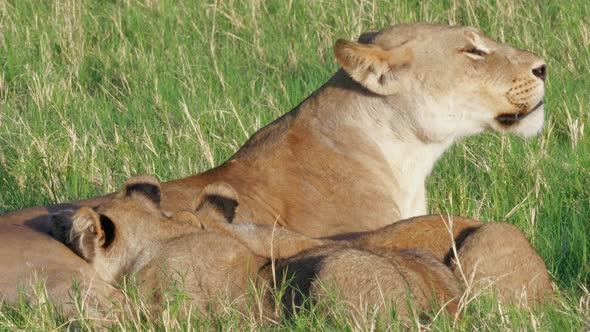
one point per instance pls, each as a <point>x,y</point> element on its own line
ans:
<point>92,92</point>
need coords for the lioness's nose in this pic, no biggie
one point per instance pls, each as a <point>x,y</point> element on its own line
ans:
<point>541,71</point>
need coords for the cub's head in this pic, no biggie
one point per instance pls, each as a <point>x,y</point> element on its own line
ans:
<point>123,235</point>
<point>454,80</point>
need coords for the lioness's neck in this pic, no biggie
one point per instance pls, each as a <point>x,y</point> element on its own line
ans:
<point>381,134</point>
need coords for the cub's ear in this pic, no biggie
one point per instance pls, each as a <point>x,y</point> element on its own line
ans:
<point>372,66</point>
<point>218,200</point>
<point>368,37</point>
<point>145,186</point>
<point>87,231</point>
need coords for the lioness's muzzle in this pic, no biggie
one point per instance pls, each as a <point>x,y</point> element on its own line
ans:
<point>508,119</point>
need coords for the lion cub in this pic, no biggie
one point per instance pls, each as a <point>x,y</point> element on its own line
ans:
<point>131,235</point>
<point>483,256</point>
<point>213,258</point>
<point>495,256</point>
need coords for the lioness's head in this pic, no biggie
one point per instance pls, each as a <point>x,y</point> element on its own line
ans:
<point>123,235</point>
<point>460,81</point>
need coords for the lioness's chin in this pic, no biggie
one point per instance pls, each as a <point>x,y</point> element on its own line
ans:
<point>527,127</point>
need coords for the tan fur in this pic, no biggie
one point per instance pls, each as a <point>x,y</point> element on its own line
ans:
<point>365,278</point>
<point>368,280</point>
<point>490,255</point>
<point>56,272</point>
<point>498,257</point>
<point>431,233</point>
<point>181,250</point>
<point>214,259</point>
<point>369,137</point>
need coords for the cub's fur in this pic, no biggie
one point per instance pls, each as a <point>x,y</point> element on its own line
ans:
<point>483,256</point>
<point>492,255</point>
<point>214,260</point>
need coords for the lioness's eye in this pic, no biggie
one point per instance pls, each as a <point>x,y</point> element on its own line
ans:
<point>475,51</point>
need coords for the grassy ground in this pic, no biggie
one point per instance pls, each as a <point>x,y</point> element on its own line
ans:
<point>92,92</point>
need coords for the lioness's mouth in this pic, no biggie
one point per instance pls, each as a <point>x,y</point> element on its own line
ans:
<point>508,119</point>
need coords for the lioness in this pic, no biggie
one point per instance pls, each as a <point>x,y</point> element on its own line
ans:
<point>131,235</point>
<point>369,136</point>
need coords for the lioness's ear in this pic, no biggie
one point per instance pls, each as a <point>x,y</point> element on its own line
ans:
<point>89,232</point>
<point>145,186</point>
<point>372,66</point>
<point>218,200</point>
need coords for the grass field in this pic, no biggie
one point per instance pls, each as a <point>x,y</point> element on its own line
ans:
<point>92,92</point>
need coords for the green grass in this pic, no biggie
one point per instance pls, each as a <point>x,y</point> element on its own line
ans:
<point>92,92</point>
